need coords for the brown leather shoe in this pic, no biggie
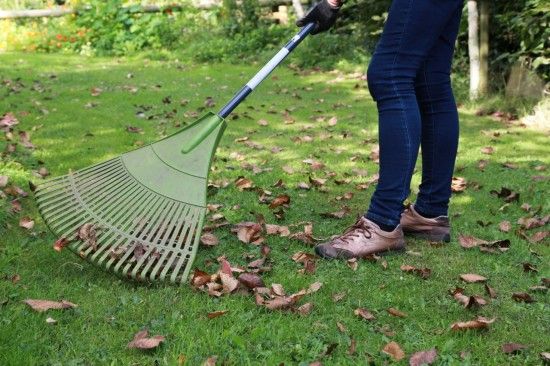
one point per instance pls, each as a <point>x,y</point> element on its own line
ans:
<point>436,229</point>
<point>361,240</point>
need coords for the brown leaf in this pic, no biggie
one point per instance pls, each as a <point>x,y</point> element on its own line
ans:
<point>353,264</point>
<point>421,272</point>
<point>341,327</point>
<point>513,348</point>
<point>545,356</point>
<point>271,229</point>
<point>314,164</point>
<point>397,313</point>
<point>472,278</point>
<point>481,164</point>
<point>539,236</point>
<point>314,287</point>
<point>210,361</point>
<point>248,232</point>
<point>26,139</point>
<point>142,341</point>
<point>229,282</point>
<point>352,347</point>
<point>505,226</point>
<point>338,296</point>
<point>26,223</point>
<point>216,314</point>
<point>333,121</point>
<point>394,351</point>
<point>305,309</point>
<point>199,278</point>
<point>251,280</point>
<point>243,183</point>
<point>209,239</point>
<point>7,121</point>
<point>423,358</point>
<point>522,297</point>
<point>487,150</point>
<point>44,305</point>
<point>263,122</point>
<point>467,241</point>
<point>3,181</point>
<point>134,129</point>
<point>478,323</point>
<point>209,102</point>
<point>458,184</point>
<point>364,314</point>
<point>507,194</point>
<point>490,291</point>
<point>338,214</point>
<point>60,244</point>
<point>283,199</point>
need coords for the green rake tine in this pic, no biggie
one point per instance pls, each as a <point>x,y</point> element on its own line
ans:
<point>170,207</point>
<point>77,213</point>
<point>113,236</point>
<point>157,201</point>
<point>75,202</point>
<point>127,204</point>
<point>91,184</point>
<point>106,232</point>
<point>47,188</point>
<point>171,239</point>
<point>184,258</point>
<point>177,248</point>
<point>164,250</point>
<point>114,205</point>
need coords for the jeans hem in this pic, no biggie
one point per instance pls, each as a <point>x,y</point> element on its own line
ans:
<point>430,210</point>
<point>374,217</point>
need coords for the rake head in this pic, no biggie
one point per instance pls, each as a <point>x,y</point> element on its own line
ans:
<point>139,215</point>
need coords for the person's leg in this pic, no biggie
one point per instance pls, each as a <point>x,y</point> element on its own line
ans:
<point>411,31</point>
<point>439,114</point>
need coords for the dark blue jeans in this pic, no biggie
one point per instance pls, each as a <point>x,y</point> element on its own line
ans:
<point>409,78</point>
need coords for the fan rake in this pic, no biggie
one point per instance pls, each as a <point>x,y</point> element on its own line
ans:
<point>141,214</point>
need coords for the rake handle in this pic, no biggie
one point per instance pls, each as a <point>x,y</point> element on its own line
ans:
<point>266,70</point>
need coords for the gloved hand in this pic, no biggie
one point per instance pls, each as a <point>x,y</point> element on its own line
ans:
<point>323,14</point>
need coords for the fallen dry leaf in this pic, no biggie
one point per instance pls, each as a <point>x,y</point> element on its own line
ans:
<point>490,291</point>
<point>60,244</point>
<point>507,194</point>
<point>3,181</point>
<point>539,236</point>
<point>216,314</point>
<point>394,351</point>
<point>467,241</point>
<point>458,184</point>
<point>364,314</point>
<point>488,150</point>
<point>522,297</point>
<point>305,309</point>
<point>209,239</point>
<point>26,223</point>
<point>421,272</point>
<point>251,280</point>
<point>472,278</point>
<point>478,323</point>
<point>44,305</point>
<point>397,313</point>
<point>423,358</point>
<point>337,214</point>
<point>283,199</point>
<point>505,226</point>
<point>141,341</point>
<point>249,232</point>
<point>513,348</point>
<point>210,361</point>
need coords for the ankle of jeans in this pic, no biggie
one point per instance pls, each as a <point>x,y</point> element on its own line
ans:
<point>430,210</point>
<point>377,218</point>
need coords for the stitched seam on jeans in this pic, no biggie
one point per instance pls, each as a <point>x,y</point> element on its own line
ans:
<point>401,99</point>
<point>434,143</point>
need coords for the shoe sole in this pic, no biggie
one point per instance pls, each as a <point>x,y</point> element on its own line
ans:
<point>384,253</point>
<point>429,236</point>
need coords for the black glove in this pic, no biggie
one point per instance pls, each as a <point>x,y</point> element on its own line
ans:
<point>322,14</point>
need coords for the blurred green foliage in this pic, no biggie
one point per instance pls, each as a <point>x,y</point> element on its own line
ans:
<point>242,30</point>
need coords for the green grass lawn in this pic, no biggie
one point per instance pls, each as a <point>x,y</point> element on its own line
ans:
<point>51,96</point>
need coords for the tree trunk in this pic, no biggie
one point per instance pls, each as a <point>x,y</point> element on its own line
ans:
<point>483,47</point>
<point>473,48</point>
<point>298,8</point>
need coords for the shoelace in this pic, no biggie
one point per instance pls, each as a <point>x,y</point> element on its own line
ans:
<point>355,231</point>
